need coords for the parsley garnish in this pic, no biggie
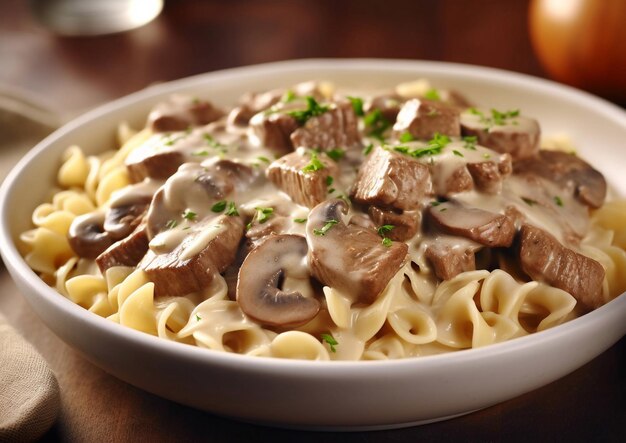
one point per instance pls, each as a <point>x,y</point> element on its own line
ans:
<point>384,229</point>
<point>386,242</point>
<point>288,96</point>
<point>435,203</point>
<point>263,214</point>
<point>336,154</point>
<point>314,165</point>
<point>329,180</point>
<point>357,105</point>
<point>213,143</point>
<point>432,94</point>
<point>529,201</point>
<point>202,152</point>
<point>198,318</point>
<point>457,153</point>
<point>558,201</point>
<point>232,209</point>
<point>368,149</point>
<point>329,224</point>
<point>171,224</point>
<point>313,110</point>
<point>376,123</point>
<point>300,220</point>
<point>470,142</point>
<point>499,118</point>
<point>189,215</point>
<point>331,341</point>
<point>486,155</point>
<point>219,206</point>
<point>264,159</point>
<point>406,137</point>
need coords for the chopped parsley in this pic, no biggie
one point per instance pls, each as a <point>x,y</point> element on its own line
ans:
<point>386,242</point>
<point>402,149</point>
<point>231,209</point>
<point>357,105</point>
<point>171,224</point>
<point>558,201</point>
<point>443,209</point>
<point>329,180</point>
<point>208,138</point>
<point>486,155</point>
<point>432,94</point>
<point>328,338</point>
<point>336,154</point>
<point>313,109</point>
<point>189,215</point>
<point>264,159</point>
<point>406,137</point>
<point>457,153</point>
<point>499,118</point>
<point>263,214</point>
<point>314,165</point>
<point>470,142</point>
<point>288,96</point>
<point>435,203</point>
<point>219,206</point>
<point>368,149</point>
<point>327,226</point>
<point>331,190</point>
<point>202,152</point>
<point>384,229</point>
<point>300,220</point>
<point>529,201</point>
<point>376,124</point>
<point>198,318</point>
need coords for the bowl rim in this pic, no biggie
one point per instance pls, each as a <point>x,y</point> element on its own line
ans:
<point>22,272</point>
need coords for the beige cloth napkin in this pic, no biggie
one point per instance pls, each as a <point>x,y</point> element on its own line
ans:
<point>29,392</point>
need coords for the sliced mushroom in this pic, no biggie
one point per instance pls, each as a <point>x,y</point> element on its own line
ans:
<point>121,220</point>
<point>258,287</point>
<point>87,236</point>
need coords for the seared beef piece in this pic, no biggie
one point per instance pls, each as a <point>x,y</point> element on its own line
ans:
<point>484,227</point>
<point>448,260</point>
<point>126,252</point>
<point>488,175</point>
<point>274,130</point>
<point>253,103</point>
<point>145,162</point>
<point>350,258</point>
<point>569,172</point>
<point>544,259</point>
<point>307,188</point>
<point>459,181</point>
<point>518,136</point>
<point>423,118</point>
<point>405,224</point>
<point>176,273</point>
<point>181,112</point>
<point>388,105</point>
<point>390,179</point>
<point>335,128</point>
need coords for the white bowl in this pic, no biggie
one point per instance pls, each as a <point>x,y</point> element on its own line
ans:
<point>330,395</point>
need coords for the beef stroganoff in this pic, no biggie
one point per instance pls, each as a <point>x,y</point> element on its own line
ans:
<point>315,223</point>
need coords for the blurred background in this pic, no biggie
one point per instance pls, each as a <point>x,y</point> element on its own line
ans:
<point>73,73</point>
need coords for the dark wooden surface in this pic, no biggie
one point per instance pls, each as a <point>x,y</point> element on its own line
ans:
<point>190,37</point>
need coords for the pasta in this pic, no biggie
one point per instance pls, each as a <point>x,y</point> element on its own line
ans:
<point>450,288</point>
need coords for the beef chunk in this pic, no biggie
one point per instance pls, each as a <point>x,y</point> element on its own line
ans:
<point>191,265</point>
<point>460,180</point>
<point>350,258</point>
<point>145,162</point>
<point>335,128</point>
<point>390,179</point>
<point>126,252</point>
<point>274,130</point>
<point>488,175</point>
<point>388,105</point>
<point>304,184</point>
<point>544,259</point>
<point>507,133</point>
<point>424,118</point>
<point>569,172</point>
<point>181,112</point>
<point>405,224</point>
<point>449,260</point>
<point>484,227</point>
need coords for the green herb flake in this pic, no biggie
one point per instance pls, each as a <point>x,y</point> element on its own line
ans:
<point>384,229</point>
<point>336,154</point>
<point>327,226</point>
<point>529,201</point>
<point>470,142</point>
<point>331,190</point>
<point>189,215</point>
<point>313,109</point>
<point>368,149</point>
<point>406,137</point>
<point>264,159</point>
<point>435,203</point>
<point>263,214</point>
<point>376,124</point>
<point>171,224</point>
<point>314,165</point>
<point>231,209</point>
<point>201,153</point>
<point>329,180</point>
<point>558,201</point>
<point>402,149</point>
<point>198,318</point>
<point>288,96</point>
<point>328,338</point>
<point>219,206</point>
<point>443,209</point>
<point>432,94</point>
<point>386,242</point>
<point>486,155</point>
<point>357,105</point>
<point>300,220</point>
<point>457,153</point>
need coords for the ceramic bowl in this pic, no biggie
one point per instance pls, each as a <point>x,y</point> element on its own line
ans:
<point>325,395</point>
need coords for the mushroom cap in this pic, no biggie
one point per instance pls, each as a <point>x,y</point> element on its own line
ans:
<point>258,292</point>
<point>121,220</point>
<point>87,236</point>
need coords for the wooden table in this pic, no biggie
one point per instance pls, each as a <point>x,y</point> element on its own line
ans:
<point>192,37</point>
